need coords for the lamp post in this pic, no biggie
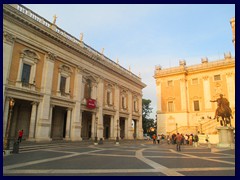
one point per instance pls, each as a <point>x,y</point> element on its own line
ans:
<point>6,138</point>
<point>117,139</point>
<point>176,127</point>
<point>96,141</point>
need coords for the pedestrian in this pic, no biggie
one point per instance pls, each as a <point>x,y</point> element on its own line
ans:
<point>158,138</point>
<point>168,139</point>
<point>191,139</point>
<point>196,139</point>
<point>20,134</point>
<point>178,139</point>
<point>154,139</point>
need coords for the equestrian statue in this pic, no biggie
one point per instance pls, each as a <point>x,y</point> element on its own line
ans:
<point>223,110</point>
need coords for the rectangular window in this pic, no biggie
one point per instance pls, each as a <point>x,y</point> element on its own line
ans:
<point>196,105</point>
<point>26,74</point>
<point>123,105</point>
<point>134,105</point>
<point>170,83</point>
<point>63,84</point>
<point>170,106</point>
<point>217,77</point>
<point>108,98</point>
<point>195,81</point>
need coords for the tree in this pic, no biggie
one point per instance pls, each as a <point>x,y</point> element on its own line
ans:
<point>146,110</point>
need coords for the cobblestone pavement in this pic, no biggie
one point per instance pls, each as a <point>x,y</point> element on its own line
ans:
<point>126,159</point>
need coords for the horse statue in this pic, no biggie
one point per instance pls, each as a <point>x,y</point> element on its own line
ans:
<point>223,111</point>
<point>225,116</point>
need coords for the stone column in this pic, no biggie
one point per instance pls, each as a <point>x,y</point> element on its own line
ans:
<point>112,128</point>
<point>161,122</point>
<point>100,95</point>
<point>68,124</point>
<point>183,94</point>
<point>50,118</point>
<point>77,114</point>
<point>129,120</point>
<point>139,128</point>
<point>5,115</point>
<point>116,106</point>
<point>8,44</point>
<point>94,126</point>
<point>126,128</point>
<point>33,121</point>
<point>231,88</point>
<point>43,121</point>
<point>206,92</point>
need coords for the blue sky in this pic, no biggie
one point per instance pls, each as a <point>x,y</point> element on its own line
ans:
<point>146,35</point>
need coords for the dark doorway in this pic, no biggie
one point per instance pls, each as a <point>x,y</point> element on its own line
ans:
<point>59,120</point>
<point>107,125</point>
<point>86,131</point>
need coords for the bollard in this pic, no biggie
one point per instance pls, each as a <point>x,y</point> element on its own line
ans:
<point>16,147</point>
<point>100,141</point>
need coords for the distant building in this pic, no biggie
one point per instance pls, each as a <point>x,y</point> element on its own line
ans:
<point>62,88</point>
<point>184,94</point>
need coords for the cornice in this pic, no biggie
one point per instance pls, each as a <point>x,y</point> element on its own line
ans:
<point>26,22</point>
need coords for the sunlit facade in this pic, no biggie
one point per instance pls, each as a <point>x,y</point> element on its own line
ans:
<point>62,88</point>
<point>184,94</point>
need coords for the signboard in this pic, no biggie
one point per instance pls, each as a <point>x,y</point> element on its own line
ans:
<point>91,103</point>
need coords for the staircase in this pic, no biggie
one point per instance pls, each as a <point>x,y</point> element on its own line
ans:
<point>207,127</point>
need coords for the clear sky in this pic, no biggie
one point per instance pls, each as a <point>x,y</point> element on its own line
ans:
<point>146,35</point>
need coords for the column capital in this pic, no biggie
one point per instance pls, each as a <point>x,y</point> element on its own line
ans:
<point>35,103</point>
<point>229,74</point>
<point>205,77</point>
<point>8,38</point>
<point>51,56</point>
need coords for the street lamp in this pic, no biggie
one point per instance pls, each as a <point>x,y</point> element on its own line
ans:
<point>96,141</point>
<point>6,138</point>
<point>176,127</point>
<point>117,139</point>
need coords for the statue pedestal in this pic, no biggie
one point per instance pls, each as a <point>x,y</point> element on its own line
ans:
<point>225,137</point>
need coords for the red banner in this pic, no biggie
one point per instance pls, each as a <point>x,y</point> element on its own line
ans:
<point>91,103</point>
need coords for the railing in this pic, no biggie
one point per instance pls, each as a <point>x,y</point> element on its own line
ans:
<point>209,127</point>
<point>68,36</point>
<point>185,130</point>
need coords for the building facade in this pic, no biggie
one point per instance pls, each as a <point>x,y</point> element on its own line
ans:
<point>184,94</point>
<point>61,87</point>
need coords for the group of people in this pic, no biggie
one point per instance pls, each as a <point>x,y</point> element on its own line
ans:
<point>187,139</point>
<point>178,139</point>
<point>158,139</point>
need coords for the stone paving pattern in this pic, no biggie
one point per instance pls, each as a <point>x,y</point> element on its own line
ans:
<point>130,158</point>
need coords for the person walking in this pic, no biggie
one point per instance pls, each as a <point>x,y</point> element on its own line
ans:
<point>178,139</point>
<point>20,134</point>
<point>196,139</point>
<point>158,138</point>
<point>154,139</point>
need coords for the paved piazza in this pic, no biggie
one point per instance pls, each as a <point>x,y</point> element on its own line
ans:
<point>127,159</point>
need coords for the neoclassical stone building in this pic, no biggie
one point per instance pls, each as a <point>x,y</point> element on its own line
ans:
<point>61,87</point>
<point>184,94</point>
